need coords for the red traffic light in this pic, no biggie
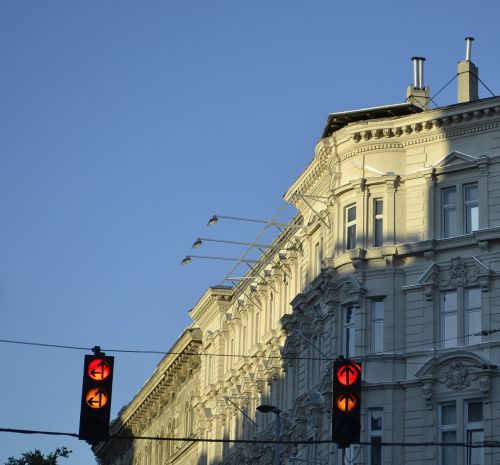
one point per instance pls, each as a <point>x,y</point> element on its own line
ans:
<point>348,373</point>
<point>346,402</point>
<point>96,397</point>
<point>98,369</point>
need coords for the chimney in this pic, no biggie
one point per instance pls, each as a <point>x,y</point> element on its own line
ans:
<point>417,93</point>
<point>467,76</point>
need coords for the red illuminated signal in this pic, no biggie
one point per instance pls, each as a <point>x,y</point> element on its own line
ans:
<point>98,369</point>
<point>348,374</point>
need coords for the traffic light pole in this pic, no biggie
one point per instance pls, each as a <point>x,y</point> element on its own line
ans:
<point>277,437</point>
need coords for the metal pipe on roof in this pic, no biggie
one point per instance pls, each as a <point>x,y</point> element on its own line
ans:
<point>418,72</point>
<point>415,72</point>
<point>421,72</point>
<point>468,46</point>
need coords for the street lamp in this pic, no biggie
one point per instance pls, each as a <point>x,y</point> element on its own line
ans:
<point>266,408</point>
<point>198,242</point>
<point>215,219</point>
<point>188,258</point>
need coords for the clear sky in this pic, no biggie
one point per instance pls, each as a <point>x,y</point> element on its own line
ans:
<point>125,125</point>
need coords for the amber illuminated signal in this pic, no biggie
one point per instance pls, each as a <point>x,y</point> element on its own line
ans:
<point>347,402</point>
<point>96,398</point>
<point>98,369</point>
<point>348,374</point>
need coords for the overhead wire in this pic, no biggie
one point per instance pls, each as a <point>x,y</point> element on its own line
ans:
<point>484,444</point>
<point>423,343</point>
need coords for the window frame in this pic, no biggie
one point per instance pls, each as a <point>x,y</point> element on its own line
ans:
<point>461,427</point>
<point>463,335</point>
<point>374,434</point>
<point>374,322</point>
<point>349,331</point>
<point>350,232</point>
<point>378,219</point>
<point>461,207</point>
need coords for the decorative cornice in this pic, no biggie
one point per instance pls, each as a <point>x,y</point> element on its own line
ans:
<point>442,123</point>
<point>173,366</point>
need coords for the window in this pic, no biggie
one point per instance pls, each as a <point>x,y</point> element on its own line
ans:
<point>350,227</point>
<point>459,209</point>
<point>349,331</point>
<point>378,222</point>
<point>471,207</point>
<point>460,319</point>
<point>348,455</point>
<point>377,325</point>
<point>469,430</point>
<point>375,436</point>
<point>449,211</point>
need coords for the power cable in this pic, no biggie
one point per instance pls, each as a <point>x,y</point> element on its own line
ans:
<point>445,86</point>
<point>485,444</point>
<point>424,343</point>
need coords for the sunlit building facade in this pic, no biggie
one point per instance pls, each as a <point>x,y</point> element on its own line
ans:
<point>392,260</point>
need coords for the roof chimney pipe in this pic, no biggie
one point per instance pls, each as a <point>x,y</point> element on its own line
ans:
<point>468,87</point>
<point>468,47</point>
<point>417,93</point>
<point>418,72</point>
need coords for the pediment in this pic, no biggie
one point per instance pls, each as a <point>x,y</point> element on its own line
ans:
<point>463,357</point>
<point>460,370</point>
<point>456,158</point>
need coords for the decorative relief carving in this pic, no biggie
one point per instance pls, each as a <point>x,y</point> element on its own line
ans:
<point>459,273</point>
<point>484,384</point>
<point>427,392</point>
<point>457,375</point>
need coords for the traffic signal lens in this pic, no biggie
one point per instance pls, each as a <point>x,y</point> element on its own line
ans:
<point>347,402</point>
<point>96,398</point>
<point>98,369</point>
<point>348,374</point>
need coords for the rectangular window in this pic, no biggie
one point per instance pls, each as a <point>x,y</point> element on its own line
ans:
<point>474,432</point>
<point>349,331</point>
<point>449,211</point>
<point>472,315</point>
<point>460,318</point>
<point>471,207</point>
<point>459,210</point>
<point>461,421</point>
<point>448,433</point>
<point>449,319</point>
<point>377,325</point>
<point>350,227</point>
<point>375,436</point>
<point>378,223</point>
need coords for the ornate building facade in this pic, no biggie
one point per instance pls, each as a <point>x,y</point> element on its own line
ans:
<point>393,259</point>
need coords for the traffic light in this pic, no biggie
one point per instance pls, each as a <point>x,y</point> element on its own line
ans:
<point>96,397</point>
<point>346,399</point>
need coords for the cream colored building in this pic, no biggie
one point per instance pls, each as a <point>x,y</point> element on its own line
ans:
<point>393,259</point>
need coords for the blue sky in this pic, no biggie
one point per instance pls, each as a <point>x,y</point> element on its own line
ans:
<point>126,125</point>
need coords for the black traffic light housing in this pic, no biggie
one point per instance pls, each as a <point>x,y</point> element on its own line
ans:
<point>346,402</point>
<point>96,397</point>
